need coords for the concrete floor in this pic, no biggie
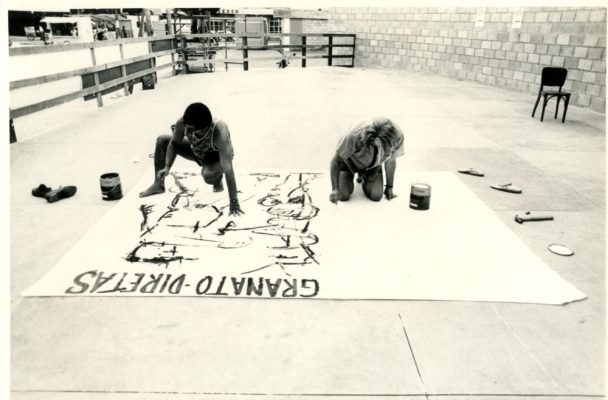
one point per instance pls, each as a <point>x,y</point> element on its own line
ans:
<point>190,348</point>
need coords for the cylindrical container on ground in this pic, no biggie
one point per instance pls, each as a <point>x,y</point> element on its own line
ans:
<point>111,188</point>
<point>420,196</point>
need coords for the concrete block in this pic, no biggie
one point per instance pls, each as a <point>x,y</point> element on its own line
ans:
<point>580,52</point>
<point>529,47</point>
<point>545,59</point>
<point>577,39</point>
<point>563,38</point>
<point>529,77</point>
<point>511,84</point>
<point>575,74</point>
<point>598,104</point>
<point>557,61</point>
<point>566,51</point>
<point>593,90</point>
<point>486,44</point>
<point>524,37</point>
<point>554,16</point>
<point>541,49</point>
<point>589,76</point>
<point>598,15</point>
<point>496,45</point>
<point>598,66</point>
<point>522,57</point>
<point>585,64</point>
<point>595,28</point>
<point>582,16</point>
<point>526,68</point>
<point>550,38</point>
<point>570,62</point>
<point>533,58</point>
<point>518,75</point>
<point>536,38</point>
<point>579,87</point>
<point>541,17</point>
<point>494,63</point>
<point>529,16</point>
<point>568,16</point>
<point>595,53</point>
<point>502,36</point>
<point>553,50</point>
<point>591,40</point>
<point>511,55</point>
<point>582,100</point>
<point>507,46</point>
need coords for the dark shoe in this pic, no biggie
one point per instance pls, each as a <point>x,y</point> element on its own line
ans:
<point>61,193</point>
<point>41,190</point>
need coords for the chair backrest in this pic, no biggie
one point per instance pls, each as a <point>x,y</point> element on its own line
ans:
<point>553,76</point>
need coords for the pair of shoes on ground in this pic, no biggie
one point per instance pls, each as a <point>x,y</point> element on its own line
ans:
<point>504,187</point>
<point>52,195</point>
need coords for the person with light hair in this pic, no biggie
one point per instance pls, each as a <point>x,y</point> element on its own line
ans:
<point>365,150</point>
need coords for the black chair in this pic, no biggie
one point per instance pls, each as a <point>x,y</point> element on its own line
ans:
<point>552,76</point>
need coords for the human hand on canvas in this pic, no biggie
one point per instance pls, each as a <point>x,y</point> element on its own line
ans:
<point>334,196</point>
<point>235,208</point>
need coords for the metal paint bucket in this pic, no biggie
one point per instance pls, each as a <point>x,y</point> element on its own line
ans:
<point>111,188</point>
<point>420,196</point>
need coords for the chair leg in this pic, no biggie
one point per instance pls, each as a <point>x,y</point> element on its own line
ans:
<point>545,100</point>
<point>536,104</point>
<point>566,102</point>
<point>557,106</point>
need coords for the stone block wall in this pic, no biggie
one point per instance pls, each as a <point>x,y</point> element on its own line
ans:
<point>446,41</point>
<point>315,26</point>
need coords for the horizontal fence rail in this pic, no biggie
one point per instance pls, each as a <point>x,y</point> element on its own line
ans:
<point>99,79</point>
<point>167,45</point>
<point>205,45</point>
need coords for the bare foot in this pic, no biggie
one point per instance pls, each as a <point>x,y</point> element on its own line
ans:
<point>156,188</point>
<point>218,186</point>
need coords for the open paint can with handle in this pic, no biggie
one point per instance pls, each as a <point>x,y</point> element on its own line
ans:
<point>111,188</point>
<point>420,196</point>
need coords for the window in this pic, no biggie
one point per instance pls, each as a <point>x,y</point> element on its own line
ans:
<point>276,25</point>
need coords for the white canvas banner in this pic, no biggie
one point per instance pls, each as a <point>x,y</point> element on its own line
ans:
<point>292,242</point>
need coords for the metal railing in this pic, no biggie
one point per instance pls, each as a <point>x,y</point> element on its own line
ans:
<point>98,79</point>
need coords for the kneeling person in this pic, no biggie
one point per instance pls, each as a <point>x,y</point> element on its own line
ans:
<point>363,151</point>
<point>197,137</point>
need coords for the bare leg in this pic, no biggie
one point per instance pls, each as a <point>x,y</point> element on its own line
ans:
<point>212,174</point>
<point>372,184</point>
<point>160,155</point>
<point>346,185</point>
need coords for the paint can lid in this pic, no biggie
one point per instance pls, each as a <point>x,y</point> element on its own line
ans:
<point>421,189</point>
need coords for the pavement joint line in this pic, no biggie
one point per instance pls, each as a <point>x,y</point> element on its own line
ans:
<point>411,350</point>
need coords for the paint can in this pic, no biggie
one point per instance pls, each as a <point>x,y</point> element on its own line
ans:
<point>110,186</point>
<point>420,196</point>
